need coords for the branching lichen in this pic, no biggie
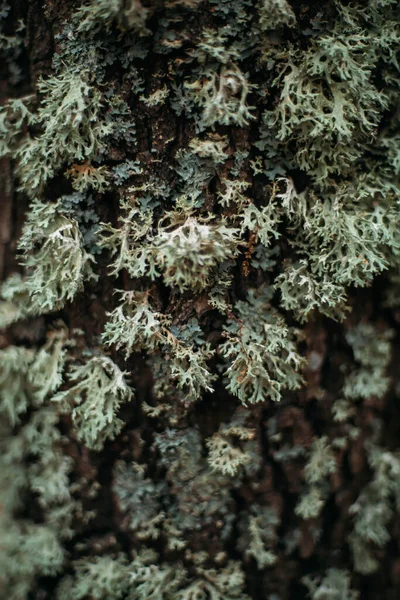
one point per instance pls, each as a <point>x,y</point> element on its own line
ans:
<point>98,390</point>
<point>261,352</point>
<point>53,256</point>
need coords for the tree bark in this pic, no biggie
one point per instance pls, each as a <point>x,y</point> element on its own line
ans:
<point>213,509</point>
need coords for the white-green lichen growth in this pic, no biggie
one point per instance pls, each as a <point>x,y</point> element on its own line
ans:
<point>98,389</point>
<point>56,263</point>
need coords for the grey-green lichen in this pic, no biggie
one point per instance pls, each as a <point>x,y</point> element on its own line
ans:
<point>231,170</point>
<point>97,391</point>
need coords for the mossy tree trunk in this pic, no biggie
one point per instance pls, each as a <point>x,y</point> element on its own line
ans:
<point>198,381</point>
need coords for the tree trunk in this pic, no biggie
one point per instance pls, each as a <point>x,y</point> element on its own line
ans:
<point>199,250</point>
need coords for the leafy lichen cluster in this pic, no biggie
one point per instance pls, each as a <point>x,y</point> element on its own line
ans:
<point>208,184</point>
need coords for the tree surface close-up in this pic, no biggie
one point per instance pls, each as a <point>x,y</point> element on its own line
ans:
<point>199,300</point>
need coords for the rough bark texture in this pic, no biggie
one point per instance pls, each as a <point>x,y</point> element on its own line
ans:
<point>178,500</point>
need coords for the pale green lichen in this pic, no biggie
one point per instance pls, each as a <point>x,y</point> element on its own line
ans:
<point>261,352</point>
<point>54,258</point>
<point>98,390</point>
